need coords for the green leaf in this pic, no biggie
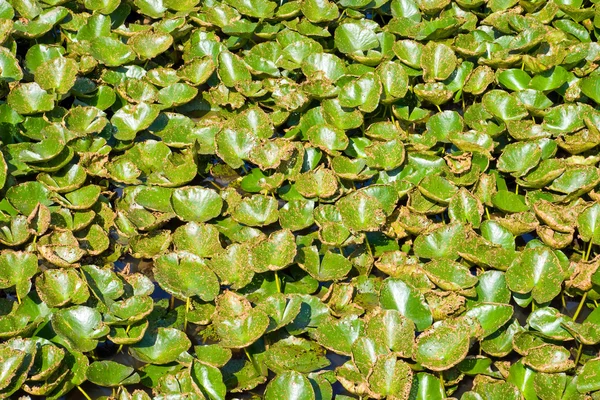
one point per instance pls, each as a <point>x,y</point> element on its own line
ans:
<point>536,270</point>
<point>399,296</point>
<point>30,98</point>
<point>79,327</point>
<point>196,204</point>
<point>17,269</point>
<point>111,52</point>
<point>210,381</point>
<point>10,70</point>
<point>111,374</point>
<point>443,346</point>
<point>184,275</point>
<point>57,75</point>
<point>160,347</point>
<point>290,385</point>
<point>236,323</point>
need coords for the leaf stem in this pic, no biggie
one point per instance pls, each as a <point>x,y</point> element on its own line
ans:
<point>185,316</point>
<point>121,345</point>
<point>579,307</point>
<point>578,356</point>
<point>589,251</point>
<point>517,189</point>
<point>251,359</point>
<point>18,297</point>
<point>84,393</point>
<point>443,385</point>
<point>487,213</point>
<point>368,245</point>
<point>277,282</point>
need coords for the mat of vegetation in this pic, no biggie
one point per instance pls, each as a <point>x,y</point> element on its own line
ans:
<point>300,199</point>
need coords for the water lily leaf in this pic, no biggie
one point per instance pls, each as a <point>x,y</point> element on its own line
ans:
<point>111,374</point>
<point>151,244</point>
<point>15,231</point>
<point>281,310</point>
<point>503,106</point>
<point>444,345</point>
<point>437,188</point>
<point>332,266</point>
<point>338,335</point>
<point>15,372</point>
<point>185,275</point>
<point>361,212</point>
<point>80,199</point>
<point>564,118</point>
<point>210,380</point>
<point>30,98</point>
<point>232,70</point>
<point>465,207</point>
<point>429,387</point>
<point>509,202</point>
<point>363,93</point>
<point>160,347</point>
<point>393,329</point>
<point>297,214</point>
<point>104,283</point>
<point>576,181</point>
<point>391,377</point>
<point>449,275</point>
<point>58,287</point>
<point>133,118</point>
<point>438,61</point>
<point>399,296</point>
<point>588,223</point>
<point>80,327</point>
<point>257,210</point>
<point>17,269</point>
<point>386,155</point>
<point>549,359</point>
<point>150,44</point>
<point>479,80</point>
<point>236,323</point>
<point>290,385</point>
<point>491,316</point>
<point>233,146</point>
<point>355,37</point>
<point>588,380</point>
<point>323,65</point>
<point>394,81</point>
<point>232,266</point>
<point>11,71</point>
<point>275,253</point>
<point>295,354</point>
<point>514,79</point>
<point>549,321</point>
<point>590,86</point>
<point>328,138</point>
<point>519,158</point>
<point>199,239</point>
<point>57,74</point>
<point>196,204</point>
<point>177,94</point>
<point>213,354</point>
<point>111,52</point>
<point>441,242</point>
<point>536,270</point>
<point>319,11</point>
